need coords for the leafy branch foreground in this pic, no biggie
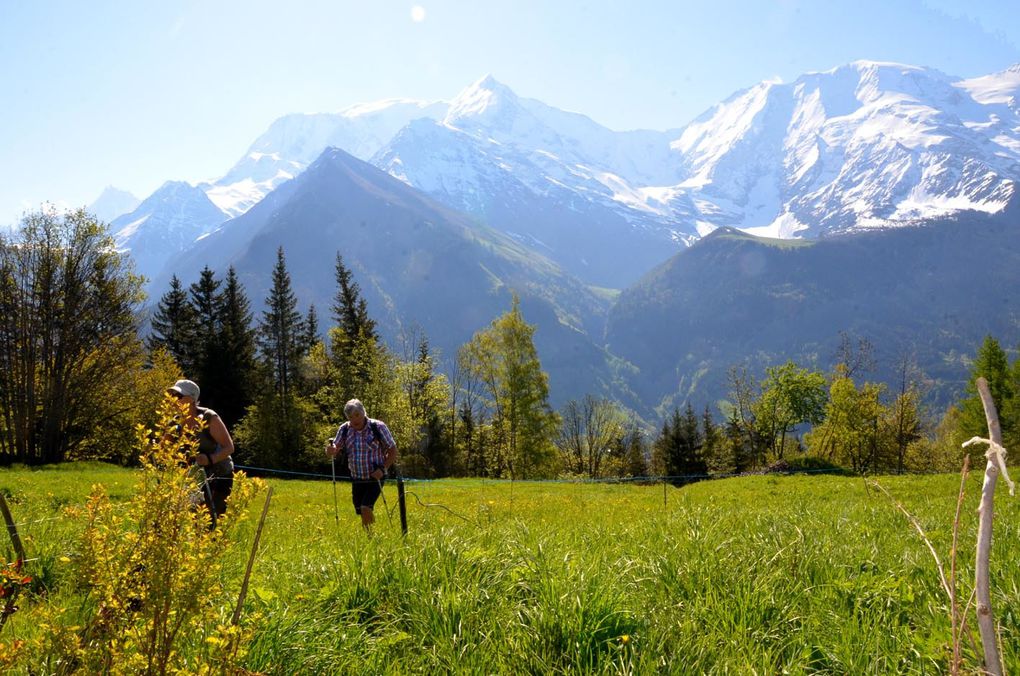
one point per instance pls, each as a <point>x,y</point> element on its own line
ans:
<point>150,597</point>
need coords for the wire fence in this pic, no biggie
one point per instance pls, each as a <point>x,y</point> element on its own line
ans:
<point>646,479</point>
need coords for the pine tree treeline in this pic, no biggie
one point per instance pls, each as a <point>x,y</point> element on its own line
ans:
<point>75,378</point>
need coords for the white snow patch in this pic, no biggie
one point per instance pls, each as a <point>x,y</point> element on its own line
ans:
<point>130,229</point>
<point>704,227</point>
<point>786,226</point>
<point>920,204</point>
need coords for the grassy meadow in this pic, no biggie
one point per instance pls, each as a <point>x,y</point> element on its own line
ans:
<point>762,574</point>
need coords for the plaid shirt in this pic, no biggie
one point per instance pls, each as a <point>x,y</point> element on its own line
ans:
<point>364,453</point>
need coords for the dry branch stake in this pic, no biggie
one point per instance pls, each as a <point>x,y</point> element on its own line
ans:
<point>251,560</point>
<point>19,549</point>
<point>996,455</point>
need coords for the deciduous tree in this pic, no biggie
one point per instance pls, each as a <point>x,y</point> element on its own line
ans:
<point>791,395</point>
<point>503,359</point>
<point>68,333</point>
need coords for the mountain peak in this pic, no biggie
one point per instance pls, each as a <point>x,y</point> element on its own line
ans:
<point>113,202</point>
<point>483,97</point>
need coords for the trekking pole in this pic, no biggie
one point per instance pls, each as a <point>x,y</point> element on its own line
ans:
<point>389,515</point>
<point>336,510</point>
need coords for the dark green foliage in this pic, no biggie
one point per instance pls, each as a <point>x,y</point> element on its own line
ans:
<point>311,327</point>
<point>355,339</point>
<point>279,429</point>
<point>992,364</point>
<point>718,452</point>
<point>232,379</point>
<point>350,310</point>
<point>679,447</point>
<point>211,338</point>
<point>281,335</point>
<point>203,302</point>
<point>174,326</point>
<point>427,409</point>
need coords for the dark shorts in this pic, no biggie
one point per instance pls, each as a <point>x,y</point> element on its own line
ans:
<point>220,487</point>
<point>364,493</point>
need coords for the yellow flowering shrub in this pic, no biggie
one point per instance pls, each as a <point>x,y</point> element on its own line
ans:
<point>151,571</point>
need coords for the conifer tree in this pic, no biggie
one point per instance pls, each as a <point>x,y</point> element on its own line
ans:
<point>311,327</point>
<point>173,326</point>
<point>717,452</point>
<point>282,334</point>
<point>349,308</point>
<point>205,346</point>
<point>679,447</point>
<point>355,340</point>
<point>992,364</point>
<point>279,428</point>
<point>233,378</point>
<point>631,451</point>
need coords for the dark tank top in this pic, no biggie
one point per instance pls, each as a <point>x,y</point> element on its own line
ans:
<point>206,444</point>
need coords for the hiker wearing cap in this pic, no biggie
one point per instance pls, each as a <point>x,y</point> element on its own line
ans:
<point>370,451</point>
<point>214,443</point>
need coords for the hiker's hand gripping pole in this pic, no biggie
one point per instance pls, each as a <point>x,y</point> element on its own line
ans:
<point>331,452</point>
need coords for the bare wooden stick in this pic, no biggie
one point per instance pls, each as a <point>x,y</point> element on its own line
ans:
<point>251,560</point>
<point>19,549</point>
<point>986,621</point>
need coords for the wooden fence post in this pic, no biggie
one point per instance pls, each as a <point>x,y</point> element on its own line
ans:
<point>403,504</point>
<point>986,621</point>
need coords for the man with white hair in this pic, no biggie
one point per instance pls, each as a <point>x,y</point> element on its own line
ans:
<point>370,451</point>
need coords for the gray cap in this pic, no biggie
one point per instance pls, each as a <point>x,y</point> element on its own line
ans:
<point>185,388</point>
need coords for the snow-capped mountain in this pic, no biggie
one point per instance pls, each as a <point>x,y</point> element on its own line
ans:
<point>113,202</point>
<point>867,145</point>
<point>557,208</point>
<point>862,146</point>
<point>1001,88</point>
<point>166,223</point>
<point>294,141</point>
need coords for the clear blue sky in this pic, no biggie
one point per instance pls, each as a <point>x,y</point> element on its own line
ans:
<point>134,93</point>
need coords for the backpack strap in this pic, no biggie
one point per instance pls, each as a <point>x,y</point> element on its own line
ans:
<point>375,432</point>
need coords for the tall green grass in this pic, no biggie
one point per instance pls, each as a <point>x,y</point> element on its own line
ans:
<point>749,575</point>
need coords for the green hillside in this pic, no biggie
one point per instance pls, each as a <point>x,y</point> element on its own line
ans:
<point>931,293</point>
